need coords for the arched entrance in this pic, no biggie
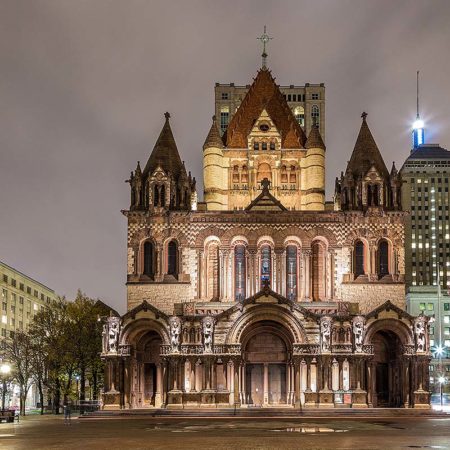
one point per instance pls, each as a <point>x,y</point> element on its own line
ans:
<point>267,372</point>
<point>388,370</point>
<point>149,369</point>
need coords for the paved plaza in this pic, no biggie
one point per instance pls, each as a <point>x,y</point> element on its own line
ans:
<point>226,433</point>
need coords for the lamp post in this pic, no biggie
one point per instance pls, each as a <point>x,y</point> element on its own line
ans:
<point>5,369</point>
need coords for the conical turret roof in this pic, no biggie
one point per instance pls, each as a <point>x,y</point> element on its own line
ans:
<point>165,153</point>
<point>264,94</point>
<point>213,139</point>
<point>366,154</point>
<point>314,139</point>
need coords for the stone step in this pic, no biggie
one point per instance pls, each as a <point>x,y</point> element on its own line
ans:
<point>271,412</point>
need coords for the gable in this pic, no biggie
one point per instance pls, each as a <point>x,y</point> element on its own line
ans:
<point>264,94</point>
<point>265,201</point>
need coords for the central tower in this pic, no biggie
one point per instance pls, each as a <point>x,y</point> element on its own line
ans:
<point>264,139</point>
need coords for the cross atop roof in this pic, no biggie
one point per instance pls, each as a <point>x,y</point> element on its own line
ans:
<point>264,38</point>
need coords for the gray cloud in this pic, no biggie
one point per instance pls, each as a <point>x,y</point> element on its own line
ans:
<point>84,85</point>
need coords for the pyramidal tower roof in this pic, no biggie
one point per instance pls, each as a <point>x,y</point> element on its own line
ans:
<point>366,153</point>
<point>264,94</point>
<point>314,139</point>
<point>165,153</point>
<point>213,139</point>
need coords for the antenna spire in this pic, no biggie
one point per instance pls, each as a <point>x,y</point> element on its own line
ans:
<point>264,38</point>
<point>418,95</point>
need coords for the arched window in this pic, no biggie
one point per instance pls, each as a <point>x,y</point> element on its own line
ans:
<point>149,259</point>
<point>162,195</point>
<point>244,174</point>
<point>318,266</point>
<point>373,195</point>
<point>172,258</point>
<point>156,195</point>
<point>224,118</point>
<point>284,175</point>
<point>264,145</point>
<point>383,258</point>
<point>239,272</point>
<point>315,114</point>
<point>291,272</point>
<point>359,259</point>
<point>272,145</point>
<point>213,272</point>
<point>266,265</point>
<point>299,113</point>
<point>256,145</point>
<point>235,174</point>
<point>292,175</point>
<point>264,171</point>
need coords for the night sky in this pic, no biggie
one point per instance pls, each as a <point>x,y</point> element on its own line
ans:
<point>84,86</point>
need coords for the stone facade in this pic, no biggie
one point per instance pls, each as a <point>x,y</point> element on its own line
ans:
<point>256,297</point>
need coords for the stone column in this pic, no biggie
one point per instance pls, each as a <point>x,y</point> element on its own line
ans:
<point>200,281</point>
<point>159,385</point>
<point>266,383</point>
<point>236,386</point>
<point>307,274</point>
<point>198,376</point>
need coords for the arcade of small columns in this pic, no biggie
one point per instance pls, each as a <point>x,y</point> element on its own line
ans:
<point>315,271</point>
<point>221,380</point>
<point>312,378</point>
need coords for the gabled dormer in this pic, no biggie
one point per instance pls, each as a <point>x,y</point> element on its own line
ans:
<point>264,135</point>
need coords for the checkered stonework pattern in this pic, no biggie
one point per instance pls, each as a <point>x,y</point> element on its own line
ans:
<point>195,230</point>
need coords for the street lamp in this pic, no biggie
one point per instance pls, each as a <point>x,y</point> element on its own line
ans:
<point>5,369</point>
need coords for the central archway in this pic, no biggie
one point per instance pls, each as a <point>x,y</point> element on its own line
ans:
<point>267,376</point>
<point>389,380</point>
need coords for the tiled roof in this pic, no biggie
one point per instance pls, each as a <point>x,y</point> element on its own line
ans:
<point>213,139</point>
<point>314,139</point>
<point>165,153</point>
<point>264,94</point>
<point>366,153</point>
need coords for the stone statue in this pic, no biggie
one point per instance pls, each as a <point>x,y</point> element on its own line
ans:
<point>325,333</point>
<point>208,334</point>
<point>113,327</point>
<point>358,332</point>
<point>419,331</point>
<point>175,332</point>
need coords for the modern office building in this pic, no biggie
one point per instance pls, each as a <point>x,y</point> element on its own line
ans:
<point>432,301</point>
<point>425,193</point>
<point>22,298</point>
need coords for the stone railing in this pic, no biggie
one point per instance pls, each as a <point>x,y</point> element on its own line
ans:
<point>341,348</point>
<point>227,349</point>
<point>197,349</point>
<point>306,349</point>
<point>368,349</point>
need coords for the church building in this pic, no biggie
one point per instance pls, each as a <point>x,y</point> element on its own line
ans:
<point>263,294</point>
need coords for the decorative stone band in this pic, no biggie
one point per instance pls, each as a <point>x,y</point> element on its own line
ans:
<point>342,348</point>
<point>198,349</point>
<point>409,349</point>
<point>306,349</point>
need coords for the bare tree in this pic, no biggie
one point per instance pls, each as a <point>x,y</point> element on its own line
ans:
<point>19,352</point>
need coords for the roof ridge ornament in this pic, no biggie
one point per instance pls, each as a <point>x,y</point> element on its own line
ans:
<point>264,38</point>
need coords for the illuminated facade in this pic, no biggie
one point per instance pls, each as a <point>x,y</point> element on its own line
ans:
<point>261,295</point>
